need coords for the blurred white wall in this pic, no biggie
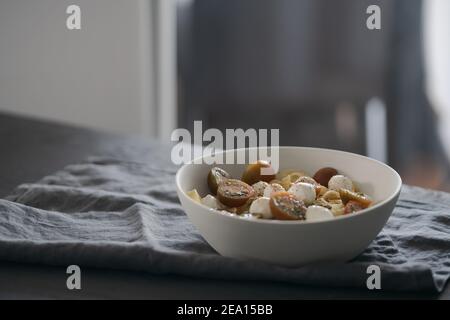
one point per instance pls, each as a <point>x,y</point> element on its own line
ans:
<point>437,60</point>
<point>104,76</point>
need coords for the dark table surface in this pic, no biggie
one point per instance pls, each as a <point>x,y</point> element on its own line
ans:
<point>31,149</point>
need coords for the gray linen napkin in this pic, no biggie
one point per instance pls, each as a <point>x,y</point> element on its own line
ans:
<point>125,215</point>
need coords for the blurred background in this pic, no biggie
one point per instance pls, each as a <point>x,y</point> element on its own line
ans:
<point>308,67</point>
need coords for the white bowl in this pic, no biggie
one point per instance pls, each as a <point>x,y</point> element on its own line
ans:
<point>296,243</point>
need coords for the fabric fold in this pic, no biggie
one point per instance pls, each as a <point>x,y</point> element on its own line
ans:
<point>125,215</point>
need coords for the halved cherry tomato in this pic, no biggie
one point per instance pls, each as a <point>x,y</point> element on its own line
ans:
<point>252,173</point>
<point>234,193</point>
<point>324,175</point>
<point>285,206</point>
<point>216,175</point>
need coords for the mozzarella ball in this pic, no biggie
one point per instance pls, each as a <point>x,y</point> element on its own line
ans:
<point>338,182</point>
<point>303,191</point>
<point>261,206</point>
<point>272,188</point>
<point>306,179</point>
<point>211,202</point>
<point>318,213</point>
<point>248,216</point>
<point>259,187</point>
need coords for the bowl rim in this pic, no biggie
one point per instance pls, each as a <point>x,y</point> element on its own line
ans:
<point>295,222</point>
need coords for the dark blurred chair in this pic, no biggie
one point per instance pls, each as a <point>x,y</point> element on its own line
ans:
<point>309,68</point>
